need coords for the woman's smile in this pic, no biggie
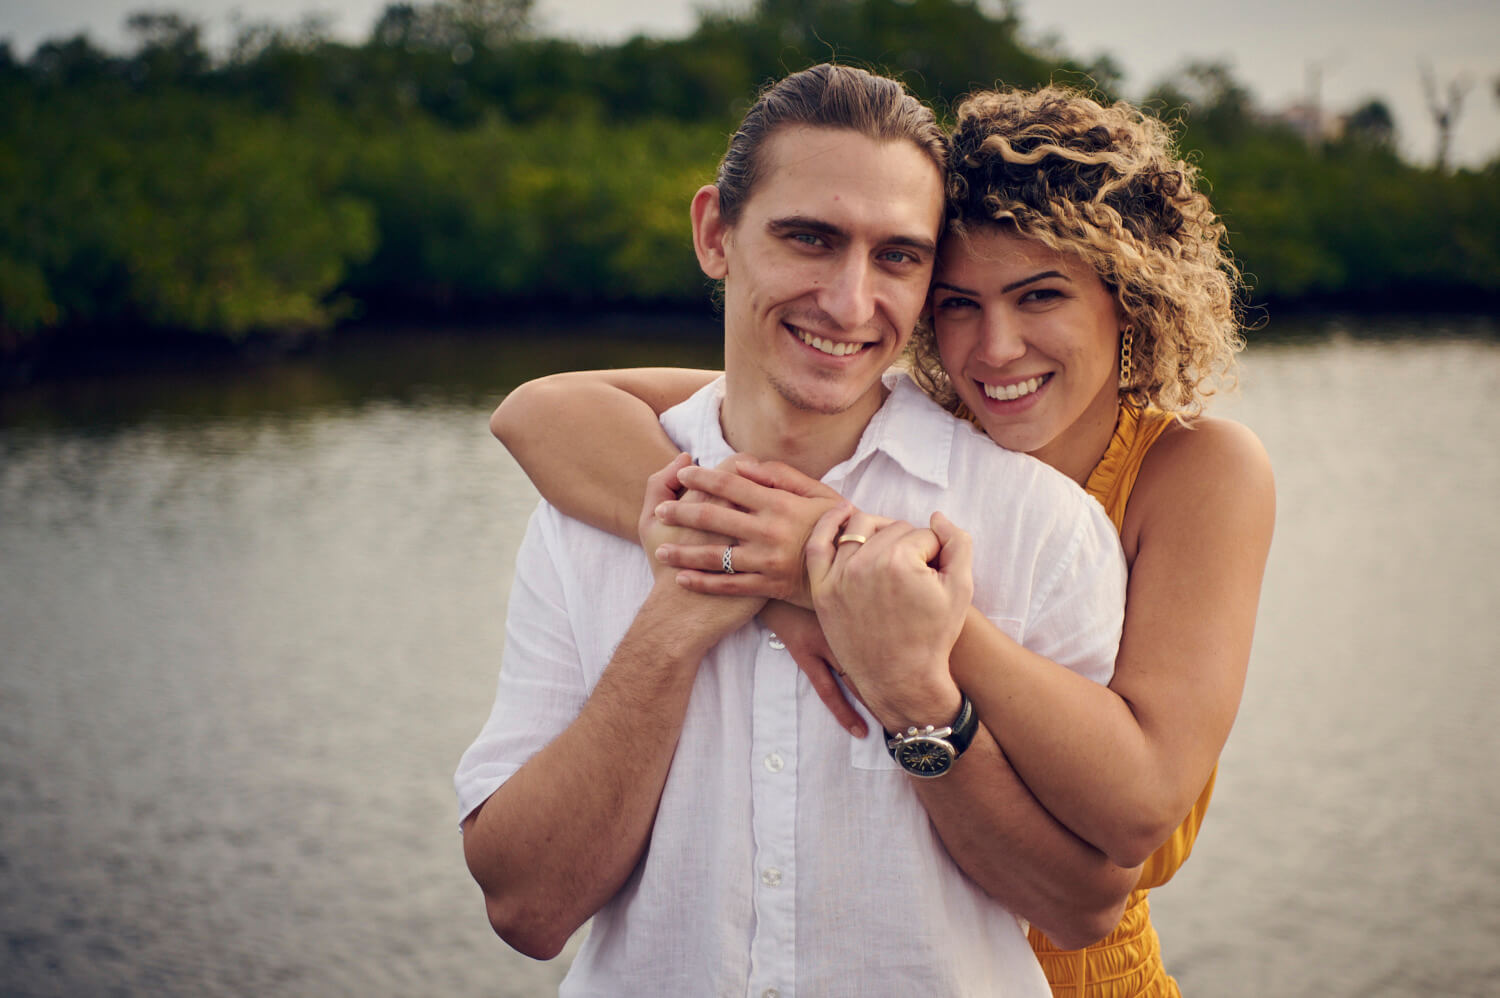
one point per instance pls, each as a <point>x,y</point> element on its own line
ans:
<point>1014,390</point>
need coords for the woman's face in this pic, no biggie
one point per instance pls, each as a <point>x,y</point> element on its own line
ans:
<point>1030,338</point>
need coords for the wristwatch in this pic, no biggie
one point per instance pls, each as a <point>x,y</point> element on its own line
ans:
<point>930,752</point>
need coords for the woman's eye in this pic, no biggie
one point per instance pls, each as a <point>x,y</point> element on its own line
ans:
<point>1041,294</point>
<point>955,302</point>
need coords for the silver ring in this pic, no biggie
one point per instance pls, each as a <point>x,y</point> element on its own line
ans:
<point>729,560</point>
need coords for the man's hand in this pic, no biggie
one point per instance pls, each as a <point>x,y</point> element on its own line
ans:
<point>892,599</point>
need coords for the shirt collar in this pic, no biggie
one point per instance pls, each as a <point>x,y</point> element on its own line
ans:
<point>909,428</point>
<point>694,426</point>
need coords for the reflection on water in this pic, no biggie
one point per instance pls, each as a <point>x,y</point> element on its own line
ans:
<point>248,623</point>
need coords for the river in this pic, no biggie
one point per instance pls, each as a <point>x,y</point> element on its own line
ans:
<point>249,620</point>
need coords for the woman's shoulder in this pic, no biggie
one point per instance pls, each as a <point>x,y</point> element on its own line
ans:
<point>1205,446</point>
<point>1210,462</point>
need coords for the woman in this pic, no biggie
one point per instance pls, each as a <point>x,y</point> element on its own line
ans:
<point>1081,307</point>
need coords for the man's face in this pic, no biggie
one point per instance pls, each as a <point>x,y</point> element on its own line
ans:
<point>826,270</point>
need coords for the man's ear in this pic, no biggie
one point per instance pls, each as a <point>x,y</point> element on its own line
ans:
<point>709,232</point>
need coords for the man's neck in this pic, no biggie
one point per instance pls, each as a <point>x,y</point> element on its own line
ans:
<point>767,426</point>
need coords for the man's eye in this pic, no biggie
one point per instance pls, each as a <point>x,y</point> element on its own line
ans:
<point>898,256</point>
<point>807,238</point>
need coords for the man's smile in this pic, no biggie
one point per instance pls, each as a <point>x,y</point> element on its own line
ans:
<point>833,348</point>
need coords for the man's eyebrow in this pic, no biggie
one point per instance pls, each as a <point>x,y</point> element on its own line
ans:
<point>808,223</point>
<point>803,223</point>
<point>926,246</point>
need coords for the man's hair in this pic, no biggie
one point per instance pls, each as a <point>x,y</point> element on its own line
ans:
<point>824,96</point>
<point>1104,183</point>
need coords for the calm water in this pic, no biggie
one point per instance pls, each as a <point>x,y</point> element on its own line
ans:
<point>248,623</point>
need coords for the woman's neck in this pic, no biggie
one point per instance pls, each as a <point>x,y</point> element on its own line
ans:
<point>1077,450</point>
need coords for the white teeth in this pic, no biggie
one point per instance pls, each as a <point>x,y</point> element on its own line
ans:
<point>829,346</point>
<point>1009,393</point>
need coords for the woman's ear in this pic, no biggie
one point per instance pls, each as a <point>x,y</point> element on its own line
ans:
<point>709,233</point>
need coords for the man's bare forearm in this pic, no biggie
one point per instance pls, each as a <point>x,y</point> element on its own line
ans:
<point>562,835</point>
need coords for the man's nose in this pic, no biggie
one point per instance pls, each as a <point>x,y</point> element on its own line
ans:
<point>849,295</point>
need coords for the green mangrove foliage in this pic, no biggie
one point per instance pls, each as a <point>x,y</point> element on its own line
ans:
<point>458,160</point>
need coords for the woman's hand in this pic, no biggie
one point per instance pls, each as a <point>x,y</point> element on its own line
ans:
<point>724,614</point>
<point>799,630</point>
<point>892,599</point>
<point>766,509</point>
<point>665,486</point>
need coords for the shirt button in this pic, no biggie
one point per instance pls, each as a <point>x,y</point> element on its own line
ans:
<point>770,993</point>
<point>775,763</point>
<point>771,877</point>
<point>775,642</point>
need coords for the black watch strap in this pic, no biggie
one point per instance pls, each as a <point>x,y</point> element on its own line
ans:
<point>961,732</point>
<point>964,726</point>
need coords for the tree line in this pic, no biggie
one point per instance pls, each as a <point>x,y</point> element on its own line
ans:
<point>458,161</point>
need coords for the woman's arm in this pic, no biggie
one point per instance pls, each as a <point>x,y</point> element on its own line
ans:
<point>898,662</point>
<point>588,440</point>
<point>1121,765</point>
<point>989,820</point>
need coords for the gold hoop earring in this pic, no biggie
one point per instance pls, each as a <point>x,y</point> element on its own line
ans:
<point>1127,340</point>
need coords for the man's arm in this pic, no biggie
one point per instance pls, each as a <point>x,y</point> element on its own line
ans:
<point>561,836</point>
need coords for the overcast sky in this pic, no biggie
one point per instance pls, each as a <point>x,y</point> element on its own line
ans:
<point>1358,48</point>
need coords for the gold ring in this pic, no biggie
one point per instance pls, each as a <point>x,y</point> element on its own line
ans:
<point>850,539</point>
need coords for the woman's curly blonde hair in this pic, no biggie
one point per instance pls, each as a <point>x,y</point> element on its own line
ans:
<point>1104,183</point>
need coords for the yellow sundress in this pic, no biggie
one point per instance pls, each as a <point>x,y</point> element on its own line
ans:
<point>1126,963</point>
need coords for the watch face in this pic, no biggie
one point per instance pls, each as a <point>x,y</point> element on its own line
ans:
<point>925,756</point>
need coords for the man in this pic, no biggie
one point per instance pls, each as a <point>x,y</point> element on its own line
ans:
<point>654,760</point>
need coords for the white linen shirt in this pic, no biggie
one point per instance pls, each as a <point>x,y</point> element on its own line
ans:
<point>789,859</point>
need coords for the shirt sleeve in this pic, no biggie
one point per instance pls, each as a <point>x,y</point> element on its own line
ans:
<point>1079,608</point>
<point>541,688</point>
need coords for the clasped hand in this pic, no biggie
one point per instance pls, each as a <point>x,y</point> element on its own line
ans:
<point>719,616</point>
<point>891,608</point>
<point>766,509</point>
<point>892,598</point>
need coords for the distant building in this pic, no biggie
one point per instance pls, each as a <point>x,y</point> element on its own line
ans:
<point>1310,121</point>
